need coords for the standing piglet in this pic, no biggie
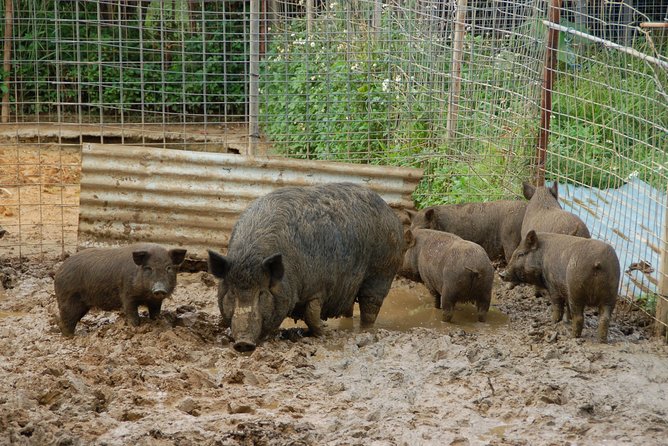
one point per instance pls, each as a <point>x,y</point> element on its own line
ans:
<point>115,278</point>
<point>494,225</point>
<point>544,213</point>
<point>452,269</point>
<point>576,271</point>
<point>307,253</point>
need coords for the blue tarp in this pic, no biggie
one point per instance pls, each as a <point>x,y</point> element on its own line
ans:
<point>631,219</point>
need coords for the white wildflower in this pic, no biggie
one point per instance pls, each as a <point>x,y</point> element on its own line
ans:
<point>333,5</point>
<point>312,44</point>
<point>386,85</point>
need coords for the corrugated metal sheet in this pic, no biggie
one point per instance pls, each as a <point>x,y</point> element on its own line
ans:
<point>192,199</point>
<point>631,219</point>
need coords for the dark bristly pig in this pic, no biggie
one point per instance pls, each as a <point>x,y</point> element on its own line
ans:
<point>494,225</point>
<point>544,213</point>
<point>113,279</point>
<point>453,269</point>
<point>576,271</point>
<point>307,253</point>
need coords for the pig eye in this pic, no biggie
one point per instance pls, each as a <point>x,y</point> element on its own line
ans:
<point>169,269</point>
<point>148,269</point>
<point>520,254</point>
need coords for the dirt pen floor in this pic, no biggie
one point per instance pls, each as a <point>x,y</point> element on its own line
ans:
<point>413,380</point>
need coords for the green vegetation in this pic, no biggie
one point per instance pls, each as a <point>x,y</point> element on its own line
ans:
<point>122,61</point>
<point>351,93</point>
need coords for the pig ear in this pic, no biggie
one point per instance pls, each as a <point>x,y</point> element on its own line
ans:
<point>411,214</point>
<point>532,239</point>
<point>177,256</point>
<point>554,190</point>
<point>528,190</point>
<point>429,214</point>
<point>274,266</point>
<point>218,265</point>
<point>140,257</point>
<point>409,238</point>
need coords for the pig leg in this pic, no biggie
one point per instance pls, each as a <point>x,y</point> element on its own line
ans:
<point>312,317</point>
<point>577,318</point>
<point>558,303</point>
<point>349,312</point>
<point>448,305</point>
<point>370,298</point>
<point>482,306</point>
<point>70,315</point>
<point>437,299</point>
<point>604,313</point>
<point>154,309</point>
<point>131,310</point>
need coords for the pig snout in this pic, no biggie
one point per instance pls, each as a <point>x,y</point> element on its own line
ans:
<point>159,290</point>
<point>246,328</point>
<point>504,275</point>
<point>244,346</point>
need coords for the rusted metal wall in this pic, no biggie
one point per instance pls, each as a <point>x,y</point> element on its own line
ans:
<point>192,199</point>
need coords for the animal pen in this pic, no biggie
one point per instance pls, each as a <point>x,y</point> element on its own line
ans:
<point>479,94</point>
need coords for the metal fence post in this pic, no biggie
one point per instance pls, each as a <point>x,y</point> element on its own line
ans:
<point>7,59</point>
<point>456,68</point>
<point>546,99</point>
<point>254,71</point>
<point>661,300</point>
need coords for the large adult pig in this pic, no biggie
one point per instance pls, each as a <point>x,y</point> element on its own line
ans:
<point>576,271</point>
<point>452,269</point>
<point>115,278</point>
<point>494,225</point>
<point>307,253</point>
<point>544,213</point>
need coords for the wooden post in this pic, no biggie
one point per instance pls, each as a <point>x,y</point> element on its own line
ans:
<point>546,98</point>
<point>7,59</point>
<point>310,14</point>
<point>662,298</point>
<point>375,18</point>
<point>456,68</point>
<point>254,82</point>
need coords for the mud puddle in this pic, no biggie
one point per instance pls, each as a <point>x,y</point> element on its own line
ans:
<point>410,305</point>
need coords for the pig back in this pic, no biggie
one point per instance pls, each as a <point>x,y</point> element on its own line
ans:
<point>333,238</point>
<point>589,268</point>
<point>492,225</point>
<point>98,275</point>
<point>447,258</point>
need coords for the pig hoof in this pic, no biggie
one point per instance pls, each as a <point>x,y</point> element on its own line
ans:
<point>244,346</point>
<point>316,332</point>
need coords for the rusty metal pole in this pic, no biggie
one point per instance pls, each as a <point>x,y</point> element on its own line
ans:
<point>546,98</point>
<point>662,298</point>
<point>7,59</point>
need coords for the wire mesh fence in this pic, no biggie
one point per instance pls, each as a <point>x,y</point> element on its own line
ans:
<point>455,87</point>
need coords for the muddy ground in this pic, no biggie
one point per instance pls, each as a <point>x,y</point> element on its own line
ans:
<point>516,380</point>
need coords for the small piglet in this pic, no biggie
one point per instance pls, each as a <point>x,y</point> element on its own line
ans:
<point>544,213</point>
<point>452,269</point>
<point>577,271</point>
<point>115,278</point>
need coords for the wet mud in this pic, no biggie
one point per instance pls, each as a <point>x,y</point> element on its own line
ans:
<point>515,380</point>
